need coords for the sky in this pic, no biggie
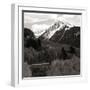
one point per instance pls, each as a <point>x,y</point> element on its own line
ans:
<point>39,22</point>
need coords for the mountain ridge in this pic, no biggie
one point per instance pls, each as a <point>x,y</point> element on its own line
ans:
<point>57,26</point>
<point>62,33</point>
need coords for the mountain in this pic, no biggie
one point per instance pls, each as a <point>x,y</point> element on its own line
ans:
<point>70,37</point>
<point>57,26</point>
<point>62,32</point>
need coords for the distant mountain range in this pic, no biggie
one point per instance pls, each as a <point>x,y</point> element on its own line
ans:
<point>63,33</point>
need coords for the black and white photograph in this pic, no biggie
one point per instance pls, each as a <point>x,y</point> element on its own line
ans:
<point>51,44</point>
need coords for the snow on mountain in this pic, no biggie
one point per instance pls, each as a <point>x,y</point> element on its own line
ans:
<point>58,25</point>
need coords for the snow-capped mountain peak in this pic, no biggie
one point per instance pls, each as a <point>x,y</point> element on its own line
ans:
<point>57,26</point>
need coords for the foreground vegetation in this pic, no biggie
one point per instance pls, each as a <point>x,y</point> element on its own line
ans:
<point>60,59</point>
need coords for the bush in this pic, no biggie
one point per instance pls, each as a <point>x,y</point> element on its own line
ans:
<point>65,67</point>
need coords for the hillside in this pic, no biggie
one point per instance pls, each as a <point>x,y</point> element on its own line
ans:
<point>70,37</point>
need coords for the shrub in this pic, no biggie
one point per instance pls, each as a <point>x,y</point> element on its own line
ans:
<point>65,67</point>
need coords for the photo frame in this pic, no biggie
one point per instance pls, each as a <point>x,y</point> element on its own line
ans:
<point>28,16</point>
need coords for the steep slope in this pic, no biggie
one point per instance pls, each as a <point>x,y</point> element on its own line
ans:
<point>70,36</point>
<point>57,26</point>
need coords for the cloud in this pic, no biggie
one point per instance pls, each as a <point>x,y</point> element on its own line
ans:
<point>38,29</point>
<point>68,16</point>
<point>53,16</point>
<point>40,21</point>
<point>38,17</point>
<point>28,19</point>
<point>72,19</point>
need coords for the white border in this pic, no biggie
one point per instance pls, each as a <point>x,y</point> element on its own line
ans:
<point>16,68</point>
